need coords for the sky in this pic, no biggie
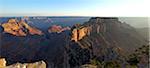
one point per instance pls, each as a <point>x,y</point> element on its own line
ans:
<point>117,8</point>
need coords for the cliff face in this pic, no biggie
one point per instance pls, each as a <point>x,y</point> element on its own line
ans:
<point>34,48</point>
<point>57,29</point>
<point>40,64</point>
<point>105,39</point>
<point>109,31</point>
<point>79,33</point>
<point>98,41</point>
<point>20,28</point>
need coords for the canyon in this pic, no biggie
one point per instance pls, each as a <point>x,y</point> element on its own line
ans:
<point>97,41</point>
<point>20,28</point>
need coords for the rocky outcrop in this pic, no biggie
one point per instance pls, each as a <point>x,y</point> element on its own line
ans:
<point>79,32</point>
<point>100,40</point>
<point>88,66</point>
<point>20,28</point>
<point>40,64</point>
<point>105,39</point>
<point>57,29</point>
<point>115,33</point>
<point>2,63</point>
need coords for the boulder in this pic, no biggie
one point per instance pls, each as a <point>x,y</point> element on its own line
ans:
<point>2,62</point>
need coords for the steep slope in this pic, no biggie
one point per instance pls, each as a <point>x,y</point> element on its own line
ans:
<point>32,48</point>
<point>100,40</point>
<point>112,32</point>
<point>144,32</point>
<point>20,28</point>
<point>105,39</point>
<point>79,33</point>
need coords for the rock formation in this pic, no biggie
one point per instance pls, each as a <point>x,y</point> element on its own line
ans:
<point>100,40</point>
<point>2,63</point>
<point>79,32</point>
<point>20,28</point>
<point>110,31</point>
<point>57,29</point>
<point>105,39</point>
<point>88,66</point>
<point>40,64</point>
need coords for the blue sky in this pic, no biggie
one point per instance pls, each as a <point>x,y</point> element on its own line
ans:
<point>73,7</point>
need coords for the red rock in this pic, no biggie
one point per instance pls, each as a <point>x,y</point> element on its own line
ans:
<point>20,28</point>
<point>57,29</point>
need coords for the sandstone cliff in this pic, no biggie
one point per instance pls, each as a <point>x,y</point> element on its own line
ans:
<point>57,29</point>
<point>103,38</point>
<point>20,28</point>
<point>110,31</point>
<point>40,64</point>
<point>79,32</point>
<point>100,40</point>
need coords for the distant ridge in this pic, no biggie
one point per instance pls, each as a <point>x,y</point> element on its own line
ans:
<point>19,28</point>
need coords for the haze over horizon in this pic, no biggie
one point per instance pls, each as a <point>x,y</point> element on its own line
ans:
<point>137,22</point>
<point>114,8</point>
<point>74,8</point>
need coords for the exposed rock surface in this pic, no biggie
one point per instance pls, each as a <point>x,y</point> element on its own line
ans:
<point>79,32</point>
<point>108,40</point>
<point>40,64</point>
<point>104,39</point>
<point>88,66</point>
<point>109,31</point>
<point>2,63</point>
<point>20,28</point>
<point>57,29</point>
